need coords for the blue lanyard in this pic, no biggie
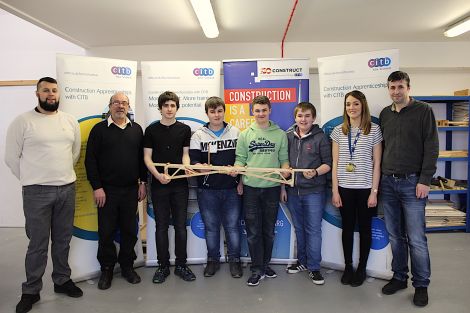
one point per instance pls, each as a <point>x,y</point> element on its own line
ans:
<point>353,146</point>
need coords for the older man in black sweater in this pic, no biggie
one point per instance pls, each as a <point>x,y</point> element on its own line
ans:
<point>117,174</point>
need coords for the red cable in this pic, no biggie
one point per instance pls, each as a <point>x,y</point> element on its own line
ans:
<point>287,28</point>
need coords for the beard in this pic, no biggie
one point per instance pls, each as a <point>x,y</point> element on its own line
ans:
<point>47,106</point>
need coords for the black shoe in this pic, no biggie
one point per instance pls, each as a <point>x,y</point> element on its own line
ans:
<point>316,277</point>
<point>105,279</point>
<point>68,288</point>
<point>185,273</point>
<point>269,272</point>
<point>26,302</point>
<point>421,296</point>
<point>211,268</point>
<point>254,279</point>
<point>130,275</point>
<point>161,274</point>
<point>358,277</point>
<point>295,268</point>
<point>393,286</point>
<point>236,269</point>
<point>348,273</point>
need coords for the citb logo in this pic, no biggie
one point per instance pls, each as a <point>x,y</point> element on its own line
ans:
<point>265,70</point>
<point>120,70</point>
<point>203,71</point>
<point>379,62</point>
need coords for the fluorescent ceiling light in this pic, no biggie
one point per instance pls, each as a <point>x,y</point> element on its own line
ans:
<point>458,28</point>
<point>205,15</point>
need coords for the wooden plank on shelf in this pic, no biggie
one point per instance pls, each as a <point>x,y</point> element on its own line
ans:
<point>453,153</point>
<point>444,213</point>
<point>463,92</point>
<point>443,224</point>
<point>7,83</point>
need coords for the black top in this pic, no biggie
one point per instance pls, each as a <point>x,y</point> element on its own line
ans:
<point>167,144</point>
<point>114,156</point>
<point>411,143</point>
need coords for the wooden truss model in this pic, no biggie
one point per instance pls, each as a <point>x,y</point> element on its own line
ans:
<point>184,171</point>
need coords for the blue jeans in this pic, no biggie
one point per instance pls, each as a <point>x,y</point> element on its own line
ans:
<point>307,213</point>
<point>260,206</point>
<point>405,222</point>
<point>221,207</point>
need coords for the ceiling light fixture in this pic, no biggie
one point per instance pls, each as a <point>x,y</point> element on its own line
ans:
<point>458,28</point>
<point>205,15</point>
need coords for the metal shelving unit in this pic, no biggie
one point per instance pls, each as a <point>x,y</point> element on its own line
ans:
<point>449,101</point>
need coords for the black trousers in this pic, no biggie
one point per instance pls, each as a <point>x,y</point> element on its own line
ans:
<point>260,207</point>
<point>118,214</point>
<point>355,210</point>
<point>170,201</point>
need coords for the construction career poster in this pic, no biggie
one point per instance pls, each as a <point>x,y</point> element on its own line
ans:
<point>286,83</point>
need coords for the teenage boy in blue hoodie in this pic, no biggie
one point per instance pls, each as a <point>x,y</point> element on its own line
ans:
<point>309,148</point>
<point>217,195</point>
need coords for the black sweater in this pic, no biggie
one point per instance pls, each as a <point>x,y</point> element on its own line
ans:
<point>114,156</point>
<point>411,143</point>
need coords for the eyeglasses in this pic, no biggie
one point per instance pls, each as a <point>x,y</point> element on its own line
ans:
<point>116,102</point>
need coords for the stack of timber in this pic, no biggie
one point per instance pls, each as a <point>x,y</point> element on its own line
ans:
<point>442,213</point>
<point>460,112</point>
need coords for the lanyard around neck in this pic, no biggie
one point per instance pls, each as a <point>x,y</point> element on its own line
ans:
<point>352,147</point>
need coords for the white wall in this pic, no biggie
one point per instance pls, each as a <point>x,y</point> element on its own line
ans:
<point>27,53</point>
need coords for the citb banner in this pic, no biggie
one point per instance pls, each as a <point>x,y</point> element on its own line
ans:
<point>368,73</point>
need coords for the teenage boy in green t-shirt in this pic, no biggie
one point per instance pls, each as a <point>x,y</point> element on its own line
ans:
<point>263,144</point>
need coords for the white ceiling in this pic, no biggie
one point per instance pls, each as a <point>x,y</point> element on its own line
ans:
<point>96,23</point>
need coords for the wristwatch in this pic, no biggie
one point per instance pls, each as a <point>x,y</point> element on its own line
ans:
<point>375,191</point>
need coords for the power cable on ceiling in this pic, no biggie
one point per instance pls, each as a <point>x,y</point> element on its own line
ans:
<point>287,28</point>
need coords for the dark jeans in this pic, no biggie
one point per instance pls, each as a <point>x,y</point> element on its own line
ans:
<point>406,226</point>
<point>118,213</point>
<point>220,207</point>
<point>170,201</point>
<point>48,210</point>
<point>355,209</point>
<point>260,207</point>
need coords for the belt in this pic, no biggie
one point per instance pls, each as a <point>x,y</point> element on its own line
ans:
<point>397,175</point>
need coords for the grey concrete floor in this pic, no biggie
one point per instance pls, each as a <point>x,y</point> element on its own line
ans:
<point>449,291</point>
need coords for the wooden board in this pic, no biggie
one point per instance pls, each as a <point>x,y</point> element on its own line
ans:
<point>463,92</point>
<point>441,213</point>
<point>5,83</point>
<point>453,153</point>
